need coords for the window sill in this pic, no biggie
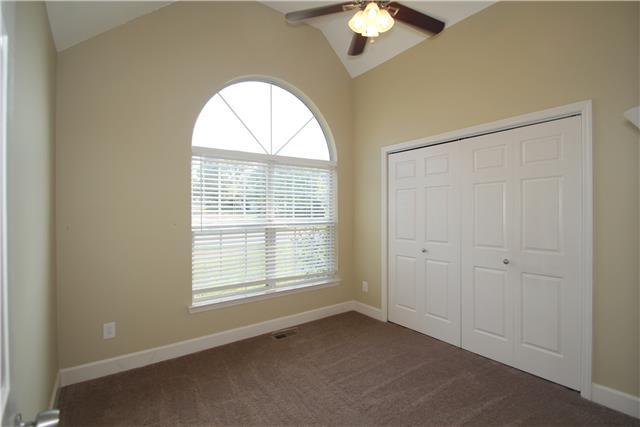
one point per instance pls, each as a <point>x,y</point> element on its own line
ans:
<point>241,299</point>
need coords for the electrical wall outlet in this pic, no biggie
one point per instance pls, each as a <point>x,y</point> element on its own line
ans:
<point>109,330</point>
<point>365,286</point>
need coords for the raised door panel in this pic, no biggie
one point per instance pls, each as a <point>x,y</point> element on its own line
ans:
<point>437,289</point>
<point>489,209</point>
<point>541,313</point>
<point>490,302</point>
<point>541,214</point>
<point>405,169</point>
<point>437,214</point>
<point>542,149</point>
<point>405,282</point>
<point>436,164</point>
<point>405,214</point>
<point>490,158</point>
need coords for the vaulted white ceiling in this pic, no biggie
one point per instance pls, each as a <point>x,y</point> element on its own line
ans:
<point>75,21</point>
<point>400,38</point>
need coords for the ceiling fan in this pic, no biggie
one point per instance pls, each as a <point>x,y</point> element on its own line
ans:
<point>372,18</point>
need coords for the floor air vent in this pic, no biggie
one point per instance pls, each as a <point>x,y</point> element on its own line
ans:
<point>284,333</point>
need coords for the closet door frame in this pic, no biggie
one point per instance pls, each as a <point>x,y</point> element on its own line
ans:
<point>582,109</point>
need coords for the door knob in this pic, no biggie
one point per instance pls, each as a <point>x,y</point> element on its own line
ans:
<point>424,251</point>
<point>505,261</point>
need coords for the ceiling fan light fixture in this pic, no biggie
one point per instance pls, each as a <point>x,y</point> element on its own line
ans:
<point>371,21</point>
<point>371,18</point>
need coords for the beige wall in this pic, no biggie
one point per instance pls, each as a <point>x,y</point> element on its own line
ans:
<point>127,102</point>
<point>30,216</point>
<point>511,59</point>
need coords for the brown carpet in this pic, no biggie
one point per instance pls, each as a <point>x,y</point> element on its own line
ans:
<point>342,370</point>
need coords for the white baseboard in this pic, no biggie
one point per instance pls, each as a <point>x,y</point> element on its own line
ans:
<point>125,362</point>
<point>53,400</point>
<point>368,310</point>
<point>605,396</point>
<point>614,399</point>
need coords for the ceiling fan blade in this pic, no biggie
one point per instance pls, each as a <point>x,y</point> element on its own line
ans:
<point>358,42</point>
<point>299,15</point>
<point>417,19</point>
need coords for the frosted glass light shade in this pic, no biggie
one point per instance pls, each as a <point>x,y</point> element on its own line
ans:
<point>357,23</point>
<point>371,21</point>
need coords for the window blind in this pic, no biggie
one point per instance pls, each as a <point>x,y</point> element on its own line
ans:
<point>259,226</point>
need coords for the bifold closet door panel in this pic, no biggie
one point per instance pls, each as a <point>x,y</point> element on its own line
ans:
<point>521,203</point>
<point>404,229</point>
<point>424,241</point>
<point>440,215</point>
<point>547,250</point>
<point>488,296</point>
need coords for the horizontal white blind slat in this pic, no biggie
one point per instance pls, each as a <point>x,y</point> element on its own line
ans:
<point>258,226</point>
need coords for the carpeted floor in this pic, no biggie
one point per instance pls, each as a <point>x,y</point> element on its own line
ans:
<point>342,370</point>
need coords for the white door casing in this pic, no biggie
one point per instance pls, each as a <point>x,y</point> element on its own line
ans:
<point>424,241</point>
<point>581,109</point>
<point>6,12</point>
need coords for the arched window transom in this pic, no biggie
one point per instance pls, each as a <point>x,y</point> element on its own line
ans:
<point>263,118</point>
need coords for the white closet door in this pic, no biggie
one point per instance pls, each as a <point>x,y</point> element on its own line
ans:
<point>424,241</point>
<point>487,241</point>
<point>520,243</point>
<point>548,200</point>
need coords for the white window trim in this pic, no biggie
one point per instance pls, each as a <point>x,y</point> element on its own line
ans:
<point>331,165</point>
<point>264,295</point>
<point>217,153</point>
<point>269,293</point>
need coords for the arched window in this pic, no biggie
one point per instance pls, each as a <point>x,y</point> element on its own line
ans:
<point>262,195</point>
